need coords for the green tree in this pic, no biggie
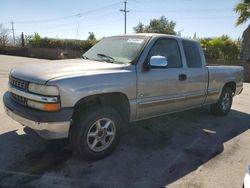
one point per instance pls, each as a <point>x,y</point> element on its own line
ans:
<point>139,28</point>
<point>243,9</point>
<point>161,25</point>
<point>4,36</point>
<point>221,47</point>
<point>91,36</point>
<point>35,40</point>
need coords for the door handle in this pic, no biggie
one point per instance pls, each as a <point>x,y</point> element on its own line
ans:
<point>182,77</point>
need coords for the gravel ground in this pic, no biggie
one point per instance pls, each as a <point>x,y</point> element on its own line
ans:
<point>187,149</point>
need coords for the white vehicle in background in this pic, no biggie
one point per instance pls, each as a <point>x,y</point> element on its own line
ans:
<point>247,178</point>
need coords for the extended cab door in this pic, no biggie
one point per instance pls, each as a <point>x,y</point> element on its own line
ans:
<point>197,74</point>
<point>175,87</point>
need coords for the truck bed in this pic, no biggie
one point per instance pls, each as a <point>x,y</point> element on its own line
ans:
<point>219,75</point>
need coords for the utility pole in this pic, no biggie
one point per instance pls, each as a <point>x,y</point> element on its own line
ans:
<point>22,39</point>
<point>77,30</point>
<point>13,32</point>
<point>125,16</point>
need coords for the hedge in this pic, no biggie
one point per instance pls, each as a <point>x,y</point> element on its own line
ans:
<point>38,42</point>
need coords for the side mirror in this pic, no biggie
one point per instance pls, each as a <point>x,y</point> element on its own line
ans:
<point>158,62</point>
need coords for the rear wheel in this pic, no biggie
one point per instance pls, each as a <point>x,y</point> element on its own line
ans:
<point>96,133</point>
<point>223,106</point>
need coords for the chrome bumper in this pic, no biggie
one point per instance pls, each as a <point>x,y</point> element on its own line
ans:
<point>47,130</point>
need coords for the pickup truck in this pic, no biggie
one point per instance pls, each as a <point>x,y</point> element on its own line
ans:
<point>119,80</point>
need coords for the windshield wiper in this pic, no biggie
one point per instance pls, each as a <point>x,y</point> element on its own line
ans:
<point>106,58</point>
<point>84,57</point>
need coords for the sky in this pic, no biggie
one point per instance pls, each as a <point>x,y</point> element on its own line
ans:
<point>63,18</point>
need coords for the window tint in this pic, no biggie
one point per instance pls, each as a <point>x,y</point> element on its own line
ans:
<point>192,54</point>
<point>169,49</point>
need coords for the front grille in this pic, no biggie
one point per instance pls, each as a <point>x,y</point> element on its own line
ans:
<point>19,84</point>
<point>19,99</point>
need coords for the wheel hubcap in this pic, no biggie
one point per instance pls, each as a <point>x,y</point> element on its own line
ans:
<point>226,101</point>
<point>101,134</point>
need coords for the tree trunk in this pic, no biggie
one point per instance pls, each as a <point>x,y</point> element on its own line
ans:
<point>245,46</point>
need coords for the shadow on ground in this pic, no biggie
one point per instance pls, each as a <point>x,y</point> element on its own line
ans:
<point>152,153</point>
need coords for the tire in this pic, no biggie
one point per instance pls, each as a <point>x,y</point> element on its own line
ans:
<point>223,106</point>
<point>88,135</point>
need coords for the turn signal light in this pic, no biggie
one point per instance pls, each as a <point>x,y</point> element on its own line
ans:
<point>52,107</point>
<point>44,106</point>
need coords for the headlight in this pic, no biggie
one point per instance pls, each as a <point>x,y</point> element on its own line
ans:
<point>44,106</point>
<point>43,89</point>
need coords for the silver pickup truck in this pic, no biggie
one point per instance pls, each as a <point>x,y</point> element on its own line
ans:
<point>121,79</point>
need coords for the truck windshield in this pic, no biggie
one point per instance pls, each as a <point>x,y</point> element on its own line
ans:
<point>122,50</point>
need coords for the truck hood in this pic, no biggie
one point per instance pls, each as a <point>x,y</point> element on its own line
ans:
<point>42,72</point>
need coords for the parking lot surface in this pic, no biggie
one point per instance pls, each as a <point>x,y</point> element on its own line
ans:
<point>187,149</point>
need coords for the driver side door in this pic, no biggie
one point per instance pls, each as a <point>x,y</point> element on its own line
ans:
<point>162,89</point>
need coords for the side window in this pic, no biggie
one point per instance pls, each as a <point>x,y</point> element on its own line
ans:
<point>168,48</point>
<point>192,54</point>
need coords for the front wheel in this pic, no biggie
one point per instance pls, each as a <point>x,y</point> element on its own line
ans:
<point>96,133</point>
<point>223,106</point>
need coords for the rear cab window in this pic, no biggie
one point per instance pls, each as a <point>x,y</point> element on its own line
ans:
<point>192,54</point>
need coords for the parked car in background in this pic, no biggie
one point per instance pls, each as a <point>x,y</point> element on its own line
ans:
<point>121,79</point>
<point>247,178</point>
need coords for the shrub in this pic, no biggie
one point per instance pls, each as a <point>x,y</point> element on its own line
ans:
<point>38,42</point>
<point>221,48</point>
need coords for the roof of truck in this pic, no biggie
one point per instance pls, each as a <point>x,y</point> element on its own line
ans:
<point>148,34</point>
<point>156,35</point>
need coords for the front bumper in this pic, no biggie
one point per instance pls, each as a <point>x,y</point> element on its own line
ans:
<point>49,125</point>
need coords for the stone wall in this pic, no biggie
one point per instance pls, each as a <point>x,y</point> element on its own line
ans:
<point>48,53</point>
<point>42,53</point>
